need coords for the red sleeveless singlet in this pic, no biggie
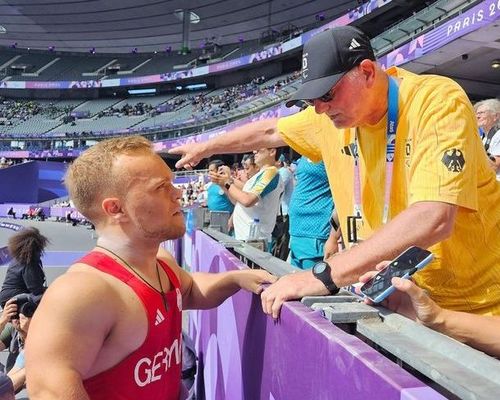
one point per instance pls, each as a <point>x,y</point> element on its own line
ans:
<point>153,371</point>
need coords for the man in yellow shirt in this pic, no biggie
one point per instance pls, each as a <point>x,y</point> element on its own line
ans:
<point>405,165</point>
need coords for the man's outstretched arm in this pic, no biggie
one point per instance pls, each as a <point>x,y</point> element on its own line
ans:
<point>203,290</point>
<point>252,136</point>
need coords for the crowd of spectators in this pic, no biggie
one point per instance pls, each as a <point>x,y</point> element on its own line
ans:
<point>127,110</point>
<point>206,106</point>
<point>4,162</point>
<point>194,193</point>
<point>12,110</point>
<point>7,162</point>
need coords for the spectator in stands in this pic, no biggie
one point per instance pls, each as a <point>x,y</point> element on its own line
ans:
<point>249,166</point>
<point>311,208</point>
<point>259,198</point>
<point>18,372</point>
<point>104,327</point>
<point>488,119</point>
<point>11,212</point>
<point>19,311</point>
<point>217,199</point>
<point>281,234</point>
<point>443,195</point>
<point>70,219</point>
<point>9,313</point>
<point>479,331</point>
<point>288,182</point>
<point>25,272</point>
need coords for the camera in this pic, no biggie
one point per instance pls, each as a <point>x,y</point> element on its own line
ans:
<point>25,305</point>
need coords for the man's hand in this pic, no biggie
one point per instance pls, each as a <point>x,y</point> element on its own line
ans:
<point>252,280</point>
<point>290,287</point>
<point>9,310</point>
<point>331,245</point>
<point>221,177</point>
<point>408,299</point>
<point>192,154</point>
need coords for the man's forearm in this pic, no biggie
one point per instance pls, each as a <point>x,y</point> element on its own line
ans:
<point>252,136</point>
<point>237,195</point>
<point>418,225</point>
<point>478,331</point>
<point>210,290</point>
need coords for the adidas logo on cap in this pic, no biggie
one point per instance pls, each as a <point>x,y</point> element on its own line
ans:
<point>354,44</point>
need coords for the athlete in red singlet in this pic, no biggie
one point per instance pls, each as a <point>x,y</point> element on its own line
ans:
<point>110,328</point>
<point>154,369</point>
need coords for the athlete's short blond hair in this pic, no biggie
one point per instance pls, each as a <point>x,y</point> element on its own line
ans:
<point>91,177</point>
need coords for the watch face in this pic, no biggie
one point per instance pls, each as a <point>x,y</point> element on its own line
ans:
<point>320,267</point>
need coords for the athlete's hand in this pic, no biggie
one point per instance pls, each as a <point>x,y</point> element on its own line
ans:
<point>253,279</point>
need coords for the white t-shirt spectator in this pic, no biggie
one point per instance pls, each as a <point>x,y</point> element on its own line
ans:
<point>494,148</point>
<point>268,186</point>
<point>289,184</point>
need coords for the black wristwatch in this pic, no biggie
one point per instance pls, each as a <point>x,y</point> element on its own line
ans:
<point>322,271</point>
<point>227,185</point>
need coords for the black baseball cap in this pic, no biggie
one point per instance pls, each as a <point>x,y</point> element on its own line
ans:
<point>326,57</point>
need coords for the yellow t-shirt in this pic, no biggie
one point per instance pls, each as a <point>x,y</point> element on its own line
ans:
<point>438,157</point>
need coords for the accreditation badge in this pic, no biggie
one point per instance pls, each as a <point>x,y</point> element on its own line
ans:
<point>354,225</point>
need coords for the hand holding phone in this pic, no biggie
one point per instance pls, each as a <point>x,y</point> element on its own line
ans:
<point>403,266</point>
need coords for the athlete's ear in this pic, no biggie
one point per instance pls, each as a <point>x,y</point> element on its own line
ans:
<point>111,206</point>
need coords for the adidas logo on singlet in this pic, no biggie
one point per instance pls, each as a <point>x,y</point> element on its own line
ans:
<point>159,318</point>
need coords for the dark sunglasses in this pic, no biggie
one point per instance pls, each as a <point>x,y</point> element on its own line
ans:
<point>326,97</point>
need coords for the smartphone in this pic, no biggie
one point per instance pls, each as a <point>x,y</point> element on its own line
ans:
<point>403,266</point>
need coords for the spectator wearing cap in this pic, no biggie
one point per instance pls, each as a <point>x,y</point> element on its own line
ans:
<point>405,166</point>
<point>488,119</point>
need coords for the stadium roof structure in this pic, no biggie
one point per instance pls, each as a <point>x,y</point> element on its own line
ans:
<point>119,26</point>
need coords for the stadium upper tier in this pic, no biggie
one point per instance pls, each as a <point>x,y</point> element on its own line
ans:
<point>108,116</point>
<point>19,65</point>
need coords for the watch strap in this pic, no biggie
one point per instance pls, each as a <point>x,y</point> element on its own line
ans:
<point>326,278</point>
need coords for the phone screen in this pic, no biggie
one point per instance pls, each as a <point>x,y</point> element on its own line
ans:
<point>405,264</point>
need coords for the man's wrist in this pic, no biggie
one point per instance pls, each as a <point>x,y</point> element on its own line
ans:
<point>318,287</point>
<point>438,319</point>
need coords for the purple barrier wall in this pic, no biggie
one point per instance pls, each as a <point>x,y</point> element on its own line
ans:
<point>18,184</point>
<point>32,182</point>
<point>61,212</point>
<point>50,180</point>
<point>246,355</point>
